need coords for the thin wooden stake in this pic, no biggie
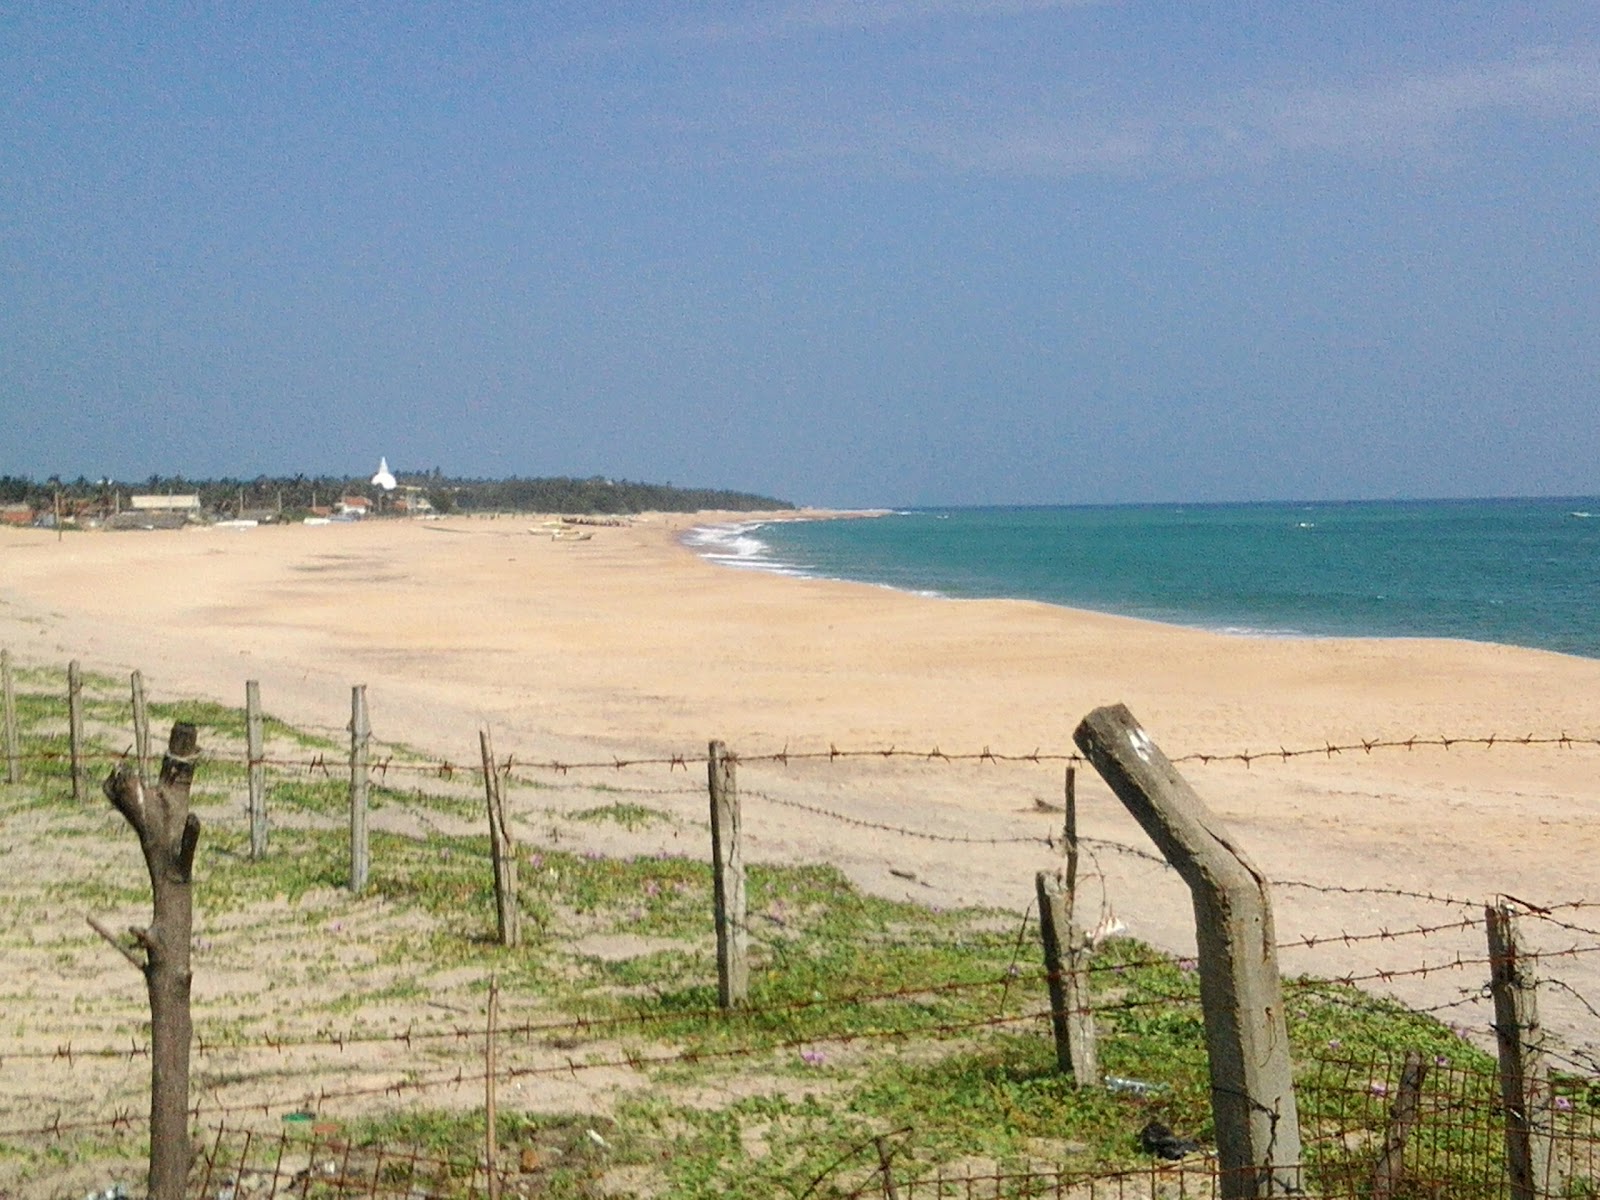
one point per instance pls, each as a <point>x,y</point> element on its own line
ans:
<point>360,735</point>
<point>490,1134</point>
<point>502,849</point>
<point>1069,827</point>
<point>80,788</point>
<point>8,709</point>
<point>141,724</point>
<point>1524,1077</point>
<point>255,751</point>
<point>727,874</point>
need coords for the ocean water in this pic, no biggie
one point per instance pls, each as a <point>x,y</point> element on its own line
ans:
<point>1516,572</point>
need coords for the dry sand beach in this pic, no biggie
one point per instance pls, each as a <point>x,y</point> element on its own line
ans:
<point>628,645</point>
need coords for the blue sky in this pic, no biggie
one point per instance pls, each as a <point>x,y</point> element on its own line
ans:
<point>957,251</point>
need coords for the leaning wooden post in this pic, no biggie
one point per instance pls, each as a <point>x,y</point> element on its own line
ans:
<point>1252,1089</point>
<point>168,834</point>
<point>75,729</point>
<point>360,735</point>
<point>255,752</point>
<point>141,724</point>
<point>8,716</point>
<point>502,849</point>
<point>1524,1077</point>
<point>727,877</point>
<point>1065,954</point>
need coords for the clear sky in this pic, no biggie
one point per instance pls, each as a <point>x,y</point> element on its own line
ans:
<point>848,253</point>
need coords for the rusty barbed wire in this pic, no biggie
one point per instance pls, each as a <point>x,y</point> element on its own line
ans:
<point>581,1025</point>
<point>446,768</point>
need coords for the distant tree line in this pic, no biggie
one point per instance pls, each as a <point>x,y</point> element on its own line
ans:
<point>301,493</point>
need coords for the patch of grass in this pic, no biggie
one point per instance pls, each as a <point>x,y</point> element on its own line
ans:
<point>630,816</point>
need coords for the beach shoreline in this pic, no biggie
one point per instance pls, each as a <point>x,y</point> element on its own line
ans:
<point>628,645</point>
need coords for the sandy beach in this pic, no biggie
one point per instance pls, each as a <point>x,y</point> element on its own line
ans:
<point>628,645</point>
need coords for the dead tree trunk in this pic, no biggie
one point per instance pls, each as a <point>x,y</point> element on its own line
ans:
<point>168,833</point>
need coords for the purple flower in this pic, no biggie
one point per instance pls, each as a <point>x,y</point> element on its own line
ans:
<point>1378,1089</point>
<point>812,1058</point>
<point>1563,1104</point>
<point>1334,1043</point>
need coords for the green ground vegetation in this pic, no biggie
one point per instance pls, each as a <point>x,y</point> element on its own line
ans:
<point>867,1019</point>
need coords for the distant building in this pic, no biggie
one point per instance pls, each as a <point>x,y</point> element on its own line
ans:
<point>16,514</point>
<point>354,506</point>
<point>411,501</point>
<point>184,504</point>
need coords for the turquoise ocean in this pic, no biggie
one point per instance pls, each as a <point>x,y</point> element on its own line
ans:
<point>1515,572</point>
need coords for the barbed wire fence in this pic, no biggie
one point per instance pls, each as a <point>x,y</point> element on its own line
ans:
<point>590,1046</point>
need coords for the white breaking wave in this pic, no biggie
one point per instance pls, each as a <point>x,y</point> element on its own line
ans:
<point>738,546</point>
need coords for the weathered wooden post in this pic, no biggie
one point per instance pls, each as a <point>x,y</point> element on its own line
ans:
<point>8,717</point>
<point>360,736</point>
<point>502,848</point>
<point>141,724</point>
<point>75,730</point>
<point>727,878</point>
<point>491,1146</point>
<point>1252,1089</point>
<point>1065,954</point>
<point>255,752</point>
<point>1524,1077</point>
<point>1390,1170</point>
<point>168,834</point>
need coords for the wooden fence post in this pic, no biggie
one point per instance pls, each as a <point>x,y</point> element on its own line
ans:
<point>491,1144</point>
<point>75,729</point>
<point>1241,996</point>
<point>255,752</point>
<point>141,724</point>
<point>8,713</point>
<point>168,834</point>
<point>1403,1117</point>
<point>360,735</point>
<point>1524,1078</point>
<point>1065,951</point>
<point>502,849</point>
<point>727,877</point>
